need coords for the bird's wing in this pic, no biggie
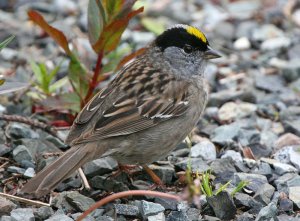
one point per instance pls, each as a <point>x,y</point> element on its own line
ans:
<point>139,98</point>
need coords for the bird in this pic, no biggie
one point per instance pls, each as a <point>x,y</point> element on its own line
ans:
<point>150,106</point>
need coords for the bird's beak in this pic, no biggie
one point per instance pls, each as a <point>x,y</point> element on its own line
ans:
<point>211,53</point>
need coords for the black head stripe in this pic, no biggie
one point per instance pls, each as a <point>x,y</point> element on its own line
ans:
<point>179,37</point>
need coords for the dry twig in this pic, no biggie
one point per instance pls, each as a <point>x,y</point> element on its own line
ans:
<point>23,200</point>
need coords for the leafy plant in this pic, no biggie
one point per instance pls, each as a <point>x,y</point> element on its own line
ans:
<point>201,183</point>
<point>4,43</point>
<point>107,20</point>
<point>45,79</point>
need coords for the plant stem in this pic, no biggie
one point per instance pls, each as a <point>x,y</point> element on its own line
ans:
<point>126,194</point>
<point>93,84</point>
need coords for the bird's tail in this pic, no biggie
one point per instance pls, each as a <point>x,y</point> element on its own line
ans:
<point>47,179</point>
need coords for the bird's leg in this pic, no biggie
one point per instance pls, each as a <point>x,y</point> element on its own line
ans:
<point>129,169</point>
<point>157,181</point>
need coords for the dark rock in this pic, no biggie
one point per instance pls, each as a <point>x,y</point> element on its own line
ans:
<point>22,214</point>
<point>250,204</point>
<point>17,131</point>
<point>75,216</point>
<point>126,210</point>
<point>6,206</point>
<point>222,205</point>
<point>197,165</point>
<point>14,169</point>
<point>150,209</point>
<point>71,182</point>
<point>260,150</point>
<point>292,126</point>
<point>58,143</point>
<point>267,213</point>
<point>21,153</point>
<point>166,203</point>
<point>281,183</point>
<point>291,71</point>
<point>245,217</point>
<point>108,184</point>
<point>100,166</point>
<point>263,169</point>
<point>104,218</point>
<point>256,180</point>
<point>27,164</point>
<point>78,201</point>
<point>285,205</point>
<point>233,155</point>
<point>60,202</point>
<point>177,216</point>
<point>264,194</point>
<point>43,213</point>
<point>221,166</point>
<point>4,149</point>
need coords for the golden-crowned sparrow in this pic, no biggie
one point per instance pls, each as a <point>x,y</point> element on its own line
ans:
<point>150,107</point>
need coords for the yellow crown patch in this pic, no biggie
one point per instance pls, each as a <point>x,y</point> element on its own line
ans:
<point>197,33</point>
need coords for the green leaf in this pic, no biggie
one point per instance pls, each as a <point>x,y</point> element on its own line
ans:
<point>113,7</point>
<point>37,72</point>
<point>4,43</point>
<point>56,34</point>
<point>96,20</point>
<point>2,81</point>
<point>78,77</point>
<point>58,84</point>
<point>223,187</point>
<point>239,187</point>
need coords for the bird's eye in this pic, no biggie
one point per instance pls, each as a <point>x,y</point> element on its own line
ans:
<point>188,49</point>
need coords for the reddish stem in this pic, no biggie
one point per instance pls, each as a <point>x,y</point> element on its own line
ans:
<point>126,194</point>
<point>94,82</point>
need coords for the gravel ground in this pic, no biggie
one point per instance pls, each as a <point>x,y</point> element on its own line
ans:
<point>250,130</point>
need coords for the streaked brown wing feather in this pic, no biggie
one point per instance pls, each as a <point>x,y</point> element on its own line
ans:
<point>147,97</point>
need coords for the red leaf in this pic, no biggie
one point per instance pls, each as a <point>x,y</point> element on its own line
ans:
<point>56,34</point>
<point>111,34</point>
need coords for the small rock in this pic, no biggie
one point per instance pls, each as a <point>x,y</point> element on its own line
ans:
<point>78,201</point>
<point>157,217</point>
<point>225,134</point>
<point>294,195</point>
<point>4,149</point>
<point>244,200</point>
<point>204,149</point>
<point>263,169</point>
<point>5,218</point>
<point>197,165</point>
<point>126,210</point>
<point>14,169</point>
<point>150,209</point>
<point>108,184</point>
<point>43,213</point>
<point>245,217</point>
<point>235,156</point>
<point>282,168</point>
<point>166,203</point>
<point>270,83</point>
<point>75,216</point>
<point>264,194</point>
<point>100,166</point>
<point>267,213</point>
<point>256,180</point>
<point>232,110</point>
<point>223,205</point>
<point>21,153</point>
<point>60,217</point>
<point>29,172</point>
<point>275,43</point>
<point>104,218</point>
<point>6,206</point>
<point>265,32</point>
<point>17,131</point>
<point>22,214</point>
<point>242,43</point>
<point>193,214</point>
<point>285,205</point>
<point>292,126</point>
<point>177,216</point>
<point>291,71</point>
